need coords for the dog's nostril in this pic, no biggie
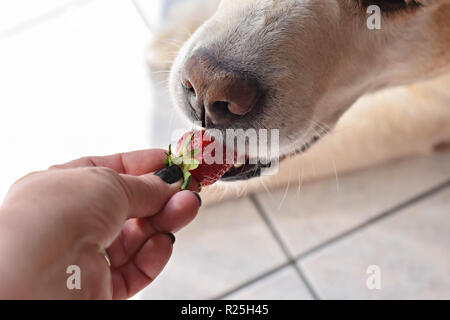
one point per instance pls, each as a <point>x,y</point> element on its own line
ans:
<point>220,93</point>
<point>218,111</point>
<point>188,85</point>
<point>220,105</point>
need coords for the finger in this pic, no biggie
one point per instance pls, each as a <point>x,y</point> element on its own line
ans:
<point>133,235</point>
<point>181,209</point>
<point>134,163</point>
<point>136,274</point>
<point>148,194</point>
<point>178,212</point>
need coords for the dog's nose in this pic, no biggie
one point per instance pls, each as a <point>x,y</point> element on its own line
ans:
<point>217,94</point>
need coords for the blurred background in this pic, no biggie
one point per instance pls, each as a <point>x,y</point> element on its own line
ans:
<point>74,81</point>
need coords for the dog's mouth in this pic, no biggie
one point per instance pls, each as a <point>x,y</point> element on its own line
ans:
<point>250,169</point>
<point>245,171</point>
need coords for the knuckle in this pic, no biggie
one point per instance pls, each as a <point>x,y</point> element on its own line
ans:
<point>98,184</point>
<point>101,174</point>
<point>109,179</point>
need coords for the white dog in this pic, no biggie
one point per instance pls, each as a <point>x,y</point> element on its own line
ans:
<point>299,65</point>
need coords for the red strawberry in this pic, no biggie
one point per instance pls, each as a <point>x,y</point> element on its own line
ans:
<point>195,159</point>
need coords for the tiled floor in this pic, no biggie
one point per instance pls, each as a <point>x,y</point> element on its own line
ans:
<point>282,284</point>
<point>227,245</point>
<point>411,248</point>
<point>325,209</point>
<point>77,68</point>
<point>396,217</point>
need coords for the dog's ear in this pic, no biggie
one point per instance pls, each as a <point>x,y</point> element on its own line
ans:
<point>394,5</point>
<point>425,2</point>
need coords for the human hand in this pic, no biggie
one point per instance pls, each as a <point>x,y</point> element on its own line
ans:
<point>69,214</point>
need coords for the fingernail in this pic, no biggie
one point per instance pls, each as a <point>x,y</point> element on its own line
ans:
<point>198,197</point>
<point>171,236</point>
<point>171,174</point>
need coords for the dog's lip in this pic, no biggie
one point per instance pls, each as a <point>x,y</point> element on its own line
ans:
<point>244,172</point>
<point>248,170</point>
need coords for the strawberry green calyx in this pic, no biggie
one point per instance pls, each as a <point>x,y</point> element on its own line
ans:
<point>185,160</point>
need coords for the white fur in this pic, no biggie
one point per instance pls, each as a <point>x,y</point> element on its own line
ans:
<point>325,62</point>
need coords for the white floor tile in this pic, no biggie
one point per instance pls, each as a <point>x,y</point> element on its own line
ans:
<point>410,248</point>
<point>225,246</point>
<point>282,285</point>
<point>324,209</point>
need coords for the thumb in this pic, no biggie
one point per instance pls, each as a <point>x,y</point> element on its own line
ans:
<point>147,194</point>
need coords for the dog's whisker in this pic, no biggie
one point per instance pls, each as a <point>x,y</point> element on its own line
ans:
<point>160,72</point>
<point>169,62</point>
<point>323,126</point>
<point>175,42</point>
<point>188,32</point>
<point>300,184</point>
<point>335,174</point>
<point>176,47</point>
<point>285,193</point>
<point>300,179</point>
<point>333,163</point>
<point>163,83</point>
<point>172,53</point>
<point>267,190</point>
<point>243,191</point>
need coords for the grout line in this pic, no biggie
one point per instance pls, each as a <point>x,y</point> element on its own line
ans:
<point>143,17</point>
<point>268,221</point>
<point>376,219</point>
<point>305,281</point>
<point>252,281</point>
<point>271,226</point>
<point>386,214</point>
<point>32,22</point>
